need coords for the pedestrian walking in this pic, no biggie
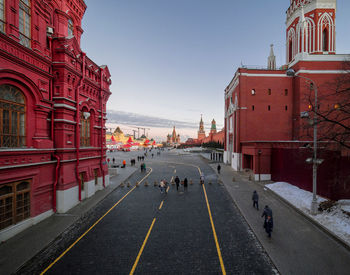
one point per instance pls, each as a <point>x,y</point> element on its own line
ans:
<point>161,186</point>
<point>177,182</point>
<point>255,199</point>
<point>267,212</point>
<point>218,168</point>
<point>124,163</point>
<point>185,184</point>
<point>141,167</point>
<point>113,160</point>
<point>269,226</point>
<point>268,219</point>
<point>201,179</point>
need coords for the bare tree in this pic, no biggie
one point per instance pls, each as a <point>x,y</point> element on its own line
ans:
<point>333,110</point>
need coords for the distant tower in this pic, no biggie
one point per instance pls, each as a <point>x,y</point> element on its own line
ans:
<point>173,136</point>
<point>310,27</point>
<point>213,127</point>
<point>271,62</point>
<point>201,132</point>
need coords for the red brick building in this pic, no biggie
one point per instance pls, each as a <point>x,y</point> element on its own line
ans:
<point>52,113</point>
<point>263,106</point>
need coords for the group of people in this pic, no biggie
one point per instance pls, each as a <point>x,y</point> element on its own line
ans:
<point>267,214</point>
<point>139,158</point>
<point>143,167</point>
<point>184,183</point>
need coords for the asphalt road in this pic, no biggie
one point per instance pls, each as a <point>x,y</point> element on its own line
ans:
<point>194,231</point>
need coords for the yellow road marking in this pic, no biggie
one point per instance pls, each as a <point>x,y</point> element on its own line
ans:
<point>214,233</point>
<point>142,247</point>
<point>87,231</point>
<point>211,219</point>
<point>161,204</point>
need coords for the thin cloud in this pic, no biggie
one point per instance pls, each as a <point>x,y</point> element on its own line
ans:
<point>126,118</point>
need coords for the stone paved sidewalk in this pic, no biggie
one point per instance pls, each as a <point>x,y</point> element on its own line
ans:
<point>297,246</point>
<point>22,247</point>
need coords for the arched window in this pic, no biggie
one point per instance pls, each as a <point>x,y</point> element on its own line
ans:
<point>85,129</point>
<point>325,40</point>
<point>290,51</point>
<point>12,117</point>
<point>70,27</point>
<point>2,16</point>
<point>24,22</point>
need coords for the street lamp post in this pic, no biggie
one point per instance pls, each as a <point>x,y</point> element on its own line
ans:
<point>315,161</point>
<point>259,154</point>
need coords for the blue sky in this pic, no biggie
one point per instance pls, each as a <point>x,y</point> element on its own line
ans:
<point>172,59</point>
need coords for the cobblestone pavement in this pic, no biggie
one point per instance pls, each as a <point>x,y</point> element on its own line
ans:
<point>181,240</point>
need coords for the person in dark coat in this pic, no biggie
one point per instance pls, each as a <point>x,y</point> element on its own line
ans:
<point>266,214</point>
<point>269,226</point>
<point>185,184</point>
<point>255,199</point>
<point>177,182</point>
<point>219,168</point>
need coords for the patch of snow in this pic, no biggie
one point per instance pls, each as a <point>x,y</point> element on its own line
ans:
<point>335,220</point>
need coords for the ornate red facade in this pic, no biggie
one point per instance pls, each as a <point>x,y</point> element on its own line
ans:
<point>52,112</point>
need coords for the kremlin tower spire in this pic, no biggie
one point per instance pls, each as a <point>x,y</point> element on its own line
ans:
<point>271,62</point>
<point>201,132</point>
<point>213,127</point>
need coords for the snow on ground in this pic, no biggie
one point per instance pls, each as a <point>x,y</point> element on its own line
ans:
<point>336,220</point>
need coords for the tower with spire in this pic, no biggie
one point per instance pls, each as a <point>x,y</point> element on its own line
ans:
<point>271,62</point>
<point>201,132</point>
<point>213,127</point>
<point>173,138</point>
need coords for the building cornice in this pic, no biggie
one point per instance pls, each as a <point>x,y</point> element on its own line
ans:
<point>64,98</point>
<point>319,58</point>
<point>64,121</point>
<point>58,105</point>
<point>264,75</point>
<point>27,165</point>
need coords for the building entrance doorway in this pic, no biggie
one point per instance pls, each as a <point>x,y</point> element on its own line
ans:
<point>248,162</point>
